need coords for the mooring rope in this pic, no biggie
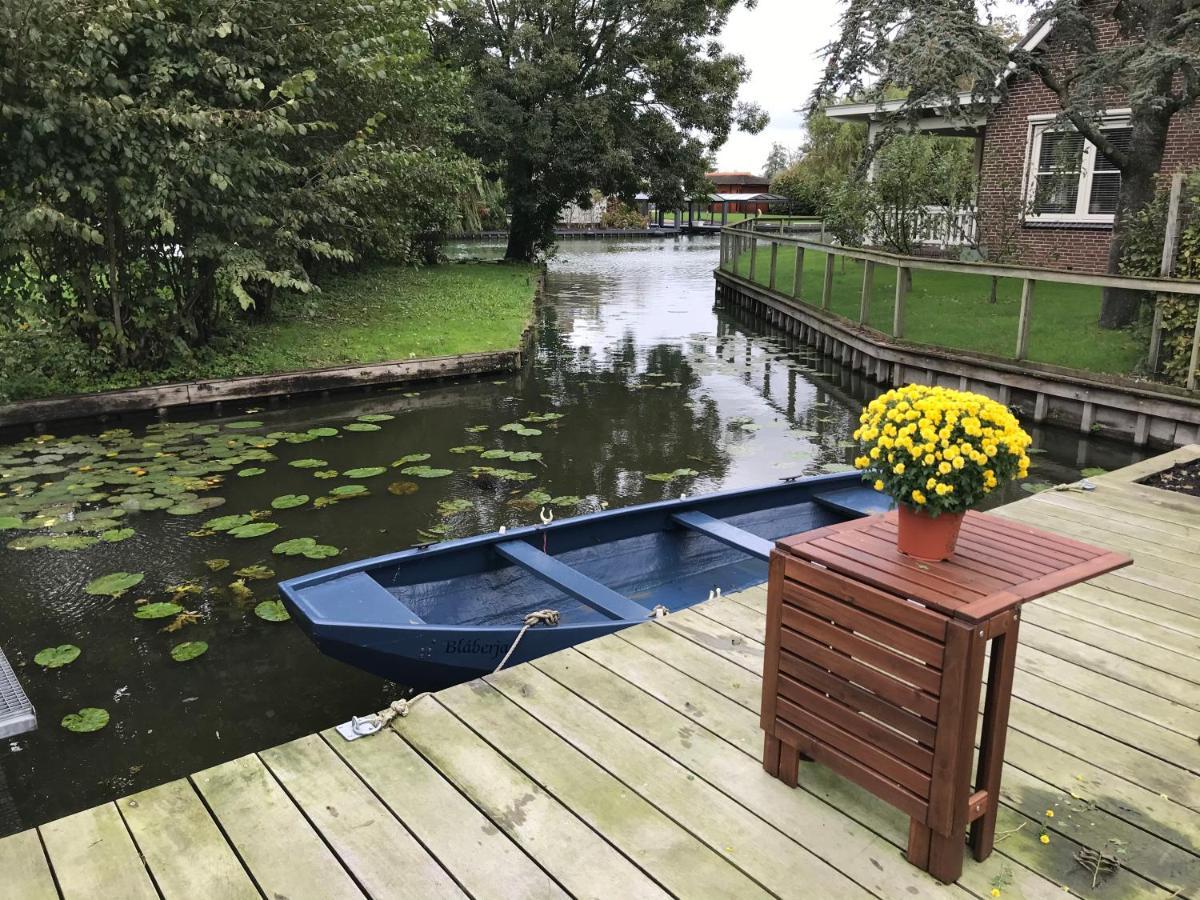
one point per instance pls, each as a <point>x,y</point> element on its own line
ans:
<point>541,617</point>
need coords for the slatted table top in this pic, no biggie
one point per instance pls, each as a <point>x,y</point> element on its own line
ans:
<point>997,565</point>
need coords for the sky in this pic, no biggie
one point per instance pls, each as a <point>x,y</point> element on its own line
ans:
<point>781,42</point>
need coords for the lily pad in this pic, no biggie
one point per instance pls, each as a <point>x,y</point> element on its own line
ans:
<point>376,417</point>
<point>426,472</point>
<point>837,467</point>
<point>349,490</point>
<point>671,476</point>
<point>114,584</point>
<point>250,473</point>
<point>450,507</point>
<point>224,523</point>
<point>253,529</point>
<point>157,610</point>
<point>9,522</point>
<point>410,458</point>
<point>361,426</point>
<point>496,454</point>
<point>326,473</point>
<point>255,573</point>
<point>69,542</point>
<point>307,547</point>
<point>113,535</point>
<point>90,718</point>
<point>216,565</point>
<point>477,429</point>
<point>188,650</point>
<point>403,488</point>
<point>521,429</point>
<point>1093,472</point>
<point>323,431</point>
<point>467,448</point>
<point>244,424</point>
<point>272,611</point>
<point>57,657</point>
<point>289,501</point>
<point>365,472</point>
<point>525,456</point>
<point>308,463</point>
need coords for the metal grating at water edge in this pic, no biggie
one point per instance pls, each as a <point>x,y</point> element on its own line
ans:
<point>16,712</point>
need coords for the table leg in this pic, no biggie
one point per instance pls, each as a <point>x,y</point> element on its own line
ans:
<point>771,746</point>
<point>946,850</point>
<point>995,730</point>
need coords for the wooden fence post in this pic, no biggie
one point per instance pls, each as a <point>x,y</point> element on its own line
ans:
<point>1027,288</point>
<point>1166,267</point>
<point>774,264</point>
<point>737,251</point>
<point>1195,363</point>
<point>901,294</point>
<point>753,251</point>
<point>799,271</point>
<point>868,286</point>
<point>827,285</point>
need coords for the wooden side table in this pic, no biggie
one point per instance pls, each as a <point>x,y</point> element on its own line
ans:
<point>874,662</point>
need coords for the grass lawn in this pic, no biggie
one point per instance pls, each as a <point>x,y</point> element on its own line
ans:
<point>381,314</point>
<point>950,310</point>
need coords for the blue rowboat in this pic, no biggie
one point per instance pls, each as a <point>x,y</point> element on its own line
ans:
<point>445,613</point>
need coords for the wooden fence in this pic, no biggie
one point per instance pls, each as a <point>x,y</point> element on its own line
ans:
<point>763,237</point>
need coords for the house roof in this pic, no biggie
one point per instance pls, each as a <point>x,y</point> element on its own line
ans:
<point>936,116</point>
<point>737,178</point>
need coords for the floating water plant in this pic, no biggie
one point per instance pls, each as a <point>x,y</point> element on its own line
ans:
<point>365,472</point>
<point>253,530</point>
<point>671,476</point>
<point>361,426</point>
<point>376,417</point>
<point>255,573</point>
<point>349,490</point>
<point>157,610</point>
<point>450,507</point>
<point>244,424</point>
<point>307,547</point>
<point>308,463</point>
<point>114,584</point>
<point>403,488</point>
<point>468,448</point>
<point>57,657</point>
<point>327,473</point>
<point>410,458</point>
<point>114,535</point>
<point>519,428</point>
<point>90,718</point>
<point>216,565</point>
<point>250,473</point>
<point>224,523</point>
<point>426,472</point>
<point>477,429</point>
<point>289,501</point>
<point>272,611</point>
<point>322,432</point>
<point>188,650</point>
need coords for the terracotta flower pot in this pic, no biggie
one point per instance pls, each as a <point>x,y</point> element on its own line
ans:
<point>926,537</point>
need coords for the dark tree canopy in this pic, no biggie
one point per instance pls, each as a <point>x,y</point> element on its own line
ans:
<point>615,95</point>
<point>936,49</point>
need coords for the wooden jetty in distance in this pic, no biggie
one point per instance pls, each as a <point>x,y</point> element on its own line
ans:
<point>630,767</point>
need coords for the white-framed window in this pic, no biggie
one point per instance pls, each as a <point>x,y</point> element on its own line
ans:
<point>1069,180</point>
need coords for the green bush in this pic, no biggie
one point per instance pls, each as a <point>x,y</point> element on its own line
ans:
<point>1143,256</point>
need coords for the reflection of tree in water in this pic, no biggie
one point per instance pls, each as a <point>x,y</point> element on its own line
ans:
<point>620,421</point>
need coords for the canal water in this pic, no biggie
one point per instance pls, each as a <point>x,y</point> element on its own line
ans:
<point>636,389</point>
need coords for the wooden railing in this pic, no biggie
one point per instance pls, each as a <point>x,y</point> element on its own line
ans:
<point>747,236</point>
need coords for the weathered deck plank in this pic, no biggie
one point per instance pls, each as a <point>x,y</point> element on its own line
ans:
<point>367,838</point>
<point>277,844</point>
<point>182,846</point>
<point>482,857</point>
<point>26,872</point>
<point>93,855</point>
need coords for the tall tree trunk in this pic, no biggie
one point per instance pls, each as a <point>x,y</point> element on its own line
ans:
<point>1120,306</point>
<point>524,233</point>
<point>114,283</point>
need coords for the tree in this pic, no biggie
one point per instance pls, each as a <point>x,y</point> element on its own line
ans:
<point>912,173</point>
<point>614,95</point>
<point>168,162</point>
<point>936,49</point>
<point>833,152</point>
<point>778,158</point>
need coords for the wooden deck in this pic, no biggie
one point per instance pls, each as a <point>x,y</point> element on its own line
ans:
<point>629,767</point>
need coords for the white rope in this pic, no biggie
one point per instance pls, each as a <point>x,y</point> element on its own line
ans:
<point>541,617</point>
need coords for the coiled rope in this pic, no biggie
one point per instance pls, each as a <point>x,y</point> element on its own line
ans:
<point>541,617</point>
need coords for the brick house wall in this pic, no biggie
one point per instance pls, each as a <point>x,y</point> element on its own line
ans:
<point>739,183</point>
<point>1082,247</point>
